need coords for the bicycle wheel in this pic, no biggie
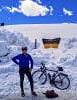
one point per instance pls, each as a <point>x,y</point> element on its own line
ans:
<point>39,77</point>
<point>61,81</point>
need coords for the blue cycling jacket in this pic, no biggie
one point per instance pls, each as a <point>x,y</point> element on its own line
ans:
<point>23,60</point>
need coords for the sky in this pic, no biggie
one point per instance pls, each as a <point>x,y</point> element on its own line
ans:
<point>38,11</point>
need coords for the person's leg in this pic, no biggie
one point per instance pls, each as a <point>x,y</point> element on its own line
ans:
<point>21,83</point>
<point>28,73</point>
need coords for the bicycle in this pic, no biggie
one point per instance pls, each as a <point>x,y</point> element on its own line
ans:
<point>59,79</point>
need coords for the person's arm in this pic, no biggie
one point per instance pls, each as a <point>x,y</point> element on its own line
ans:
<point>16,59</point>
<point>31,60</point>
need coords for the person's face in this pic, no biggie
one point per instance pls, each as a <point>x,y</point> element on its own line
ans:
<point>24,51</point>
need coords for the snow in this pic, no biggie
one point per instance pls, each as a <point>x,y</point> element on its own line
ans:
<point>62,96</point>
<point>13,37</point>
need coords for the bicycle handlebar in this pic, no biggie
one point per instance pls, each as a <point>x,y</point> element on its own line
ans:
<point>58,67</point>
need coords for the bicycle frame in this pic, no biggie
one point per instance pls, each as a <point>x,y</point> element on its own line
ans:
<point>44,69</point>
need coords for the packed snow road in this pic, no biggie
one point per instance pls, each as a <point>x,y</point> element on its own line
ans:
<point>63,95</point>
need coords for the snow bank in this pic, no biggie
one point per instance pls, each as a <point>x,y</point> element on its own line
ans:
<point>11,43</point>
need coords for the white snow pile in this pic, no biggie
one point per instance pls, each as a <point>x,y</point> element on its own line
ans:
<point>10,43</point>
<point>13,38</point>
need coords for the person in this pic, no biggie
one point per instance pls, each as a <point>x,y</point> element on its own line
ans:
<point>1,24</point>
<point>23,60</point>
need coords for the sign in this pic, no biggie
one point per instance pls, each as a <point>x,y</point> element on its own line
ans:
<point>51,43</point>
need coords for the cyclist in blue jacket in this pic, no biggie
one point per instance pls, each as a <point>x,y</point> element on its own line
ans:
<point>23,60</point>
